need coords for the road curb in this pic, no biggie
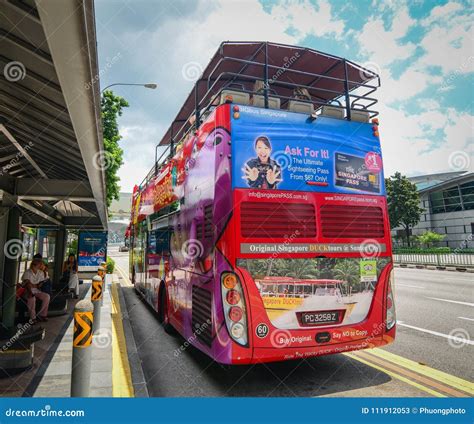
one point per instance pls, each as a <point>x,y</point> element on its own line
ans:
<point>433,267</point>
<point>138,377</point>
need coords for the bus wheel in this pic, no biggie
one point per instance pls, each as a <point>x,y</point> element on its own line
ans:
<point>164,315</point>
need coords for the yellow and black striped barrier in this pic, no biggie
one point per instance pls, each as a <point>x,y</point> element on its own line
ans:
<point>96,297</point>
<point>81,352</point>
<point>101,271</point>
<point>97,288</point>
<point>83,329</point>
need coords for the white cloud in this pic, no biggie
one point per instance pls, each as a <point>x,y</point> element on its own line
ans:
<point>443,12</point>
<point>449,45</point>
<point>307,19</point>
<point>138,143</point>
<point>408,144</point>
<point>383,46</point>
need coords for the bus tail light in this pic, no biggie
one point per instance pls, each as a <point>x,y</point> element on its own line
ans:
<point>234,307</point>
<point>232,297</point>
<point>390,318</point>
<point>235,313</point>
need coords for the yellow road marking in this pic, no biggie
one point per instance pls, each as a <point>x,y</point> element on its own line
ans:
<point>397,376</point>
<point>448,379</point>
<point>124,276</point>
<point>427,382</point>
<point>121,376</point>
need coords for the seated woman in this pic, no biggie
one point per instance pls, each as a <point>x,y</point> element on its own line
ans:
<point>46,285</point>
<point>31,281</point>
<point>70,274</point>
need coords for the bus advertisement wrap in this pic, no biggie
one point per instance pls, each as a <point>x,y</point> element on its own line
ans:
<point>92,248</point>
<point>288,151</point>
<point>327,290</point>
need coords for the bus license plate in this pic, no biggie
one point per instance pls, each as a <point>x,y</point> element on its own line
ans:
<point>317,318</point>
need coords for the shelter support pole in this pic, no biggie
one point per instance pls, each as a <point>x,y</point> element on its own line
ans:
<point>13,250</point>
<point>59,253</point>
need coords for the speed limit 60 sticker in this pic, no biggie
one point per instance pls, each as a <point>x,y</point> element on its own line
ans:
<point>261,330</point>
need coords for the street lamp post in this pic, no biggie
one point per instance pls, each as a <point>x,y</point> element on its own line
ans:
<point>151,86</point>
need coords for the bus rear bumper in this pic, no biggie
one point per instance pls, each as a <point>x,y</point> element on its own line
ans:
<point>292,353</point>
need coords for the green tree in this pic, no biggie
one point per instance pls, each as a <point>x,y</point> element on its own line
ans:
<point>297,268</point>
<point>348,271</point>
<point>403,203</point>
<point>429,237</point>
<point>112,159</point>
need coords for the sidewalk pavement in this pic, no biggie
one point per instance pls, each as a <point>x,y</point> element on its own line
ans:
<point>25,383</point>
<point>56,377</point>
<point>50,375</point>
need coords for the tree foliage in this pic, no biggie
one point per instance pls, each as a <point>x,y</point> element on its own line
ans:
<point>111,106</point>
<point>403,203</point>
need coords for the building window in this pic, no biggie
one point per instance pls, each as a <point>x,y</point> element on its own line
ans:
<point>450,200</point>
<point>467,193</point>
<point>437,202</point>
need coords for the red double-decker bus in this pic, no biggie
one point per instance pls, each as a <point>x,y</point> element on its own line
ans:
<point>262,233</point>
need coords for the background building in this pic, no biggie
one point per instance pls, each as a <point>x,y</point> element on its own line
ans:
<point>448,201</point>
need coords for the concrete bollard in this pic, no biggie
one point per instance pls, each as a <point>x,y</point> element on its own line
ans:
<point>96,297</point>
<point>81,352</point>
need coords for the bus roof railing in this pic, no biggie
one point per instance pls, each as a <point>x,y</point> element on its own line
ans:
<point>329,80</point>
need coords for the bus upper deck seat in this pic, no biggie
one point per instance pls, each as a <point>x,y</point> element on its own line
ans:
<point>360,115</point>
<point>299,104</point>
<point>332,112</point>
<point>258,100</point>
<point>237,97</point>
<point>300,107</point>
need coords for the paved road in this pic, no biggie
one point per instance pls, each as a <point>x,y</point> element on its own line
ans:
<point>191,373</point>
<point>440,302</point>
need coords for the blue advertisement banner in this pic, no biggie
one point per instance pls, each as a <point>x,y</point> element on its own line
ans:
<point>92,249</point>
<point>273,149</point>
<point>236,410</point>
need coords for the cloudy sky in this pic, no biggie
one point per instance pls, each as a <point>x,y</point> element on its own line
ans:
<point>423,51</point>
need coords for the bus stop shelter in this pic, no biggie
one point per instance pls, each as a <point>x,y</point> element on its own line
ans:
<point>51,146</point>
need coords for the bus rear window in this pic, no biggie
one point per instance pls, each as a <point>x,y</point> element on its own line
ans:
<point>343,221</point>
<point>277,220</point>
